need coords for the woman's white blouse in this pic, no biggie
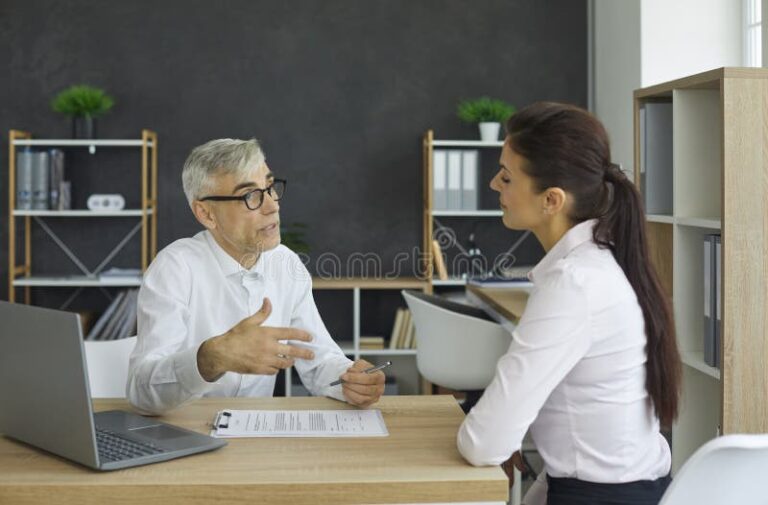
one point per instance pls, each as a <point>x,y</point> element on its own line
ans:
<point>574,374</point>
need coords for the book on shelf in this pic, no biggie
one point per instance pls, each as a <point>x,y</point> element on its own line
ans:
<point>114,273</point>
<point>372,343</point>
<point>105,317</point>
<point>408,331</point>
<point>499,282</point>
<point>396,328</point>
<point>119,319</point>
<point>442,271</point>
<point>515,277</point>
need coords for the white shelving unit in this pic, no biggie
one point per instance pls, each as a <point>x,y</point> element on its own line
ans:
<point>430,221</point>
<point>357,286</point>
<point>718,138</point>
<point>22,276</point>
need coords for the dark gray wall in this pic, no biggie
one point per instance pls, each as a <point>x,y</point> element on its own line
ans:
<point>338,91</point>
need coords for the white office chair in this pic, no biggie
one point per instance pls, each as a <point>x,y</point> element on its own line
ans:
<point>458,346</point>
<point>107,363</point>
<point>724,471</point>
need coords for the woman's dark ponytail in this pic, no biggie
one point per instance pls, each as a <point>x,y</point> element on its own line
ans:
<point>567,147</point>
<point>622,230</point>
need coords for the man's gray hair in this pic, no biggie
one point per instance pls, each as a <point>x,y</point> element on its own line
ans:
<point>218,157</point>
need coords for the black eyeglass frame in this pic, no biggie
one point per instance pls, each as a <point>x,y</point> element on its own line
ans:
<point>247,196</point>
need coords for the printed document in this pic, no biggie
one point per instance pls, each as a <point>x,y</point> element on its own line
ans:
<point>299,423</point>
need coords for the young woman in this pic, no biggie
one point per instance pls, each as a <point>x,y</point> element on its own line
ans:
<point>593,369</point>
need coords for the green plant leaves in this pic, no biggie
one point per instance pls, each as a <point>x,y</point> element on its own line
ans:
<point>484,109</point>
<point>82,100</point>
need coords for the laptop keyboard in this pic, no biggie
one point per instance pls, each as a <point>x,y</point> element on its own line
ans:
<point>114,447</point>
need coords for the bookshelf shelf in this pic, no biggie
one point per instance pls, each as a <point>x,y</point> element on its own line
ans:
<point>467,213</point>
<point>466,143</point>
<point>697,222</point>
<point>718,139</point>
<point>81,143</point>
<point>695,360</point>
<point>83,213</point>
<point>75,281</point>
<point>658,218</point>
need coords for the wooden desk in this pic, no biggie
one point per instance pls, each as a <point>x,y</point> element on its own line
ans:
<point>509,303</point>
<point>418,462</point>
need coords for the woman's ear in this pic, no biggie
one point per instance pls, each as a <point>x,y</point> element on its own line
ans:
<point>203,214</point>
<point>555,200</point>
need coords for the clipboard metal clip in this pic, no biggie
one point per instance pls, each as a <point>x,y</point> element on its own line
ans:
<point>220,418</point>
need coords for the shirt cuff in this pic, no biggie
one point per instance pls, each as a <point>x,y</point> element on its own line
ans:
<point>187,373</point>
<point>336,391</point>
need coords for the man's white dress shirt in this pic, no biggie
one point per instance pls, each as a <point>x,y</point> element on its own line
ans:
<point>193,291</point>
<point>575,374</point>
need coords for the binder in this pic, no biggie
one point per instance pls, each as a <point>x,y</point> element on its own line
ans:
<point>709,300</point>
<point>439,180</point>
<point>40,176</point>
<point>718,301</point>
<point>469,180</point>
<point>658,157</point>
<point>454,180</point>
<point>24,180</point>
<point>56,177</point>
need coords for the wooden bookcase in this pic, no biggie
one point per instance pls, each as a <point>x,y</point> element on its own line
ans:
<point>720,185</point>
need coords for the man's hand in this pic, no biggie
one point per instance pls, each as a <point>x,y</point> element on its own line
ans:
<point>250,348</point>
<point>516,461</point>
<point>362,389</point>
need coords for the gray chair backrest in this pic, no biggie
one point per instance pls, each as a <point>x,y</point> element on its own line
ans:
<point>458,346</point>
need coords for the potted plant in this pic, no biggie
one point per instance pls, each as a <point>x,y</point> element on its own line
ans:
<point>292,236</point>
<point>488,113</point>
<point>83,104</point>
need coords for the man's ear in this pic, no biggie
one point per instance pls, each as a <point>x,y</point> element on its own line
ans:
<point>203,214</point>
<point>555,200</point>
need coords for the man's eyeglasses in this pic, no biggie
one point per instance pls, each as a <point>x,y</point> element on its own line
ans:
<point>254,198</point>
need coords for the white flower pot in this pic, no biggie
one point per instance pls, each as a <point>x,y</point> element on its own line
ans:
<point>489,132</point>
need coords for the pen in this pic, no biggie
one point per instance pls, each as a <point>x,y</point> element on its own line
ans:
<point>370,370</point>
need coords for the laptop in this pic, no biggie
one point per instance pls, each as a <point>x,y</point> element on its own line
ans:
<point>45,398</point>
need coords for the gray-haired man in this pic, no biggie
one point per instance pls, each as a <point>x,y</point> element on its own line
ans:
<point>220,313</point>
